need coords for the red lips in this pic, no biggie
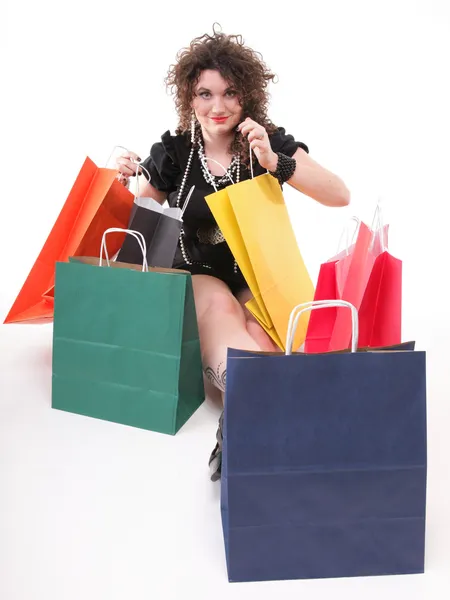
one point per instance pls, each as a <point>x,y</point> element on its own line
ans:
<point>219,119</point>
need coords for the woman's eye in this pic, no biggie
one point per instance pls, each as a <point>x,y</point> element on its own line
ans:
<point>231,94</point>
<point>205,94</point>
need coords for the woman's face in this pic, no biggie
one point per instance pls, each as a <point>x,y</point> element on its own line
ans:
<point>216,104</point>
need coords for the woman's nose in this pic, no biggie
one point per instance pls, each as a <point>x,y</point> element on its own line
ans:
<point>218,106</point>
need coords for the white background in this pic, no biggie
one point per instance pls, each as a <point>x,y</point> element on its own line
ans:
<point>93,510</point>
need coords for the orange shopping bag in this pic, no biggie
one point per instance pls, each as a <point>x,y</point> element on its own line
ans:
<point>96,202</point>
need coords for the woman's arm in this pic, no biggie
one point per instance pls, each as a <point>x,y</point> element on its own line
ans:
<point>315,181</point>
<point>128,166</point>
<point>309,177</point>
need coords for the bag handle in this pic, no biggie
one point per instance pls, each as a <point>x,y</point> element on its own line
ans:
<point>136,234</point>
<point>378,221</point>
<point>345,231</point>
<point>211,179</point>
<point>225,170</point>
<point>314,305</point>
<point>112,153</point>
<point>251,162</point>
<point>137,194</point>
<point>185,203</point>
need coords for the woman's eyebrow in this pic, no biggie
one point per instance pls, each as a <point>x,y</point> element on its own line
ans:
<point>203,89</point>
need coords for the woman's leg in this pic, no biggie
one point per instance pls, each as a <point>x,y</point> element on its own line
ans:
<point>253,327</point>
<point>222,324</point>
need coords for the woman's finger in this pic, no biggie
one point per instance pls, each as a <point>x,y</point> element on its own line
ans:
<point>126,161</point>
<point>259,144</point>
<point>123,179</point>
<point>127,167</point>
<point>254,132</point>
<point>257,134</point>
<point>247,122</point>
<point>247,128</point>
<point>125,171</point>
<point>131,156</point>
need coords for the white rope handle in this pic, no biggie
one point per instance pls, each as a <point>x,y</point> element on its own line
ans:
<point>112,153</point>
<point>292,324</point>
<point>136,234</point>
<point>251,163</point>
<point>376,214</point>
<point>211,178</point>
<point>314,305</point>
<point>191,191</point>
<point>138,194</point>
<point>225,170</point>
<point>133,161</point>
<point>378,227</point>
<point>345,231</point>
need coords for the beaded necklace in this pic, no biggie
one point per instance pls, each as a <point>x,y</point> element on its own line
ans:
<point>214,180</point>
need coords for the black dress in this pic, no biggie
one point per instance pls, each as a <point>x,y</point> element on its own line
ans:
<point>167,164</point>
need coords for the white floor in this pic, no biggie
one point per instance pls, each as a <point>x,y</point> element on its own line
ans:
<point>92,510</point>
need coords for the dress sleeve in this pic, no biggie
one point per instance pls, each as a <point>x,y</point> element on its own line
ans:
<point>163,164</point>
<point>285,143</point>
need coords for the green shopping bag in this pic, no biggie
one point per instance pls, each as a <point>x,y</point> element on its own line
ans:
<point>125,343</point>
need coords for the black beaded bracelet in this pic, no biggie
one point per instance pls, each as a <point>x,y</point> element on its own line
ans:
<point>285,168</point>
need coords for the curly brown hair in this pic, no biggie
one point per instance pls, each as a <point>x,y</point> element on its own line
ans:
<point>238,64</point>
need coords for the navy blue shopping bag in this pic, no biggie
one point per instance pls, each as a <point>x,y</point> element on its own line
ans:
<point>324,465</point>
<point>236,353</point>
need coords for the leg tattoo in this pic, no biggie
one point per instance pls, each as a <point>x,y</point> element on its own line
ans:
<point>217,377</point>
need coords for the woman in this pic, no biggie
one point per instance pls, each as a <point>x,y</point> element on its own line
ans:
<point>220,89</point>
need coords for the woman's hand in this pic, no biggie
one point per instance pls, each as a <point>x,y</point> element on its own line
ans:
<point>259,143</point>
<point>127,166</point>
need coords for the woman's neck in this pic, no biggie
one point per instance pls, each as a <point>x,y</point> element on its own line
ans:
<point>218,144</point>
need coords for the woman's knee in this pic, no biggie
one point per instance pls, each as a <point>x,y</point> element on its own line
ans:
<point>222,303</point>
<point>213,298</point>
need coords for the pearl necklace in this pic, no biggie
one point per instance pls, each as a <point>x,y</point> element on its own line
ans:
<point>210,178</point>
<point>217,180</point>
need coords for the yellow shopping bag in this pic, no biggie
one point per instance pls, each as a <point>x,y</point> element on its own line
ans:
<point>220,206</point>
<point>255,222</point>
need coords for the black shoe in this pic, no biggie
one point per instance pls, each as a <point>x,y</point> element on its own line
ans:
<point>215,460</point>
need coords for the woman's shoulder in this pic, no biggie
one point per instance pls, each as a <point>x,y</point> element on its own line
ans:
<point>174,146</point>
<point>166,160</point>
